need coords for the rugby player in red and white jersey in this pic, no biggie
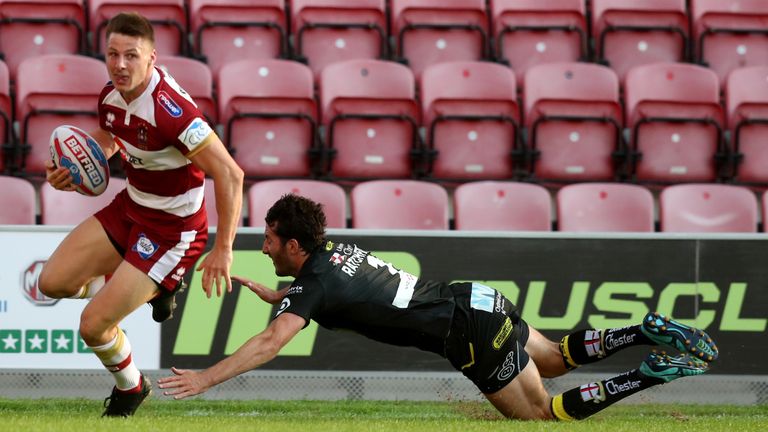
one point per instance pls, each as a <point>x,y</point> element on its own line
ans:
<point>156,229</point>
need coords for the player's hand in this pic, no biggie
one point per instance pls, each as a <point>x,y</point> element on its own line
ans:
<point>268,295</point>
<point>215,269</point>
<point>184,384</point>
<point>60,178</point>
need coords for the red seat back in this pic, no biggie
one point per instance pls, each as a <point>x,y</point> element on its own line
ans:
<point>269,118</point>
<point>730,34</point>
<point>371,118</point>
<point>471,116</point>
<point>683,146</point>
<point>707,208</point>
<point>68,86</point>
<point>574,120</point>
<point>38,27</point>
<point>628,34</point>
<point>230,30</point>
<point>531,32</point>
<point>605,207</point>
<point>19,201</point>
<point>434,31</point>
<point>507,206</point>
<point>262,195</point>
<point>399,204</point>
<point>330,31</point>
<point>746,103</point>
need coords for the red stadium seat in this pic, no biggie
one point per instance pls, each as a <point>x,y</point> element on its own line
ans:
<point>426,32</point>
<point>70,208</point>
<point>30,28</point>
<point>471,115</point>
<point>196,79</point>
<point>330,31</point>
<point>262,195</point>
<point>371,118</point>
<point>270,118</point>
<point>19,202</point>
<point>631,33</point>
<point>707,208</point>
<point>399,204</point>
<point>230,30</point>
<point>611,207</point>
<point>210,204</point>
<point>730,34</point>
<point>507,206</point>
<point>531,32</point>
<point>168,17</point>
<point>746,103</point>
<point>674,114</point>
<point>53,90</point>
<point>574,121</point>
<point>8,148</point>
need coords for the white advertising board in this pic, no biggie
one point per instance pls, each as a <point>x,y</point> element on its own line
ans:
<point>36,332</point>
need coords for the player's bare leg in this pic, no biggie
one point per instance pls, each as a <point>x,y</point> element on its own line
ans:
<point>546,354</point>
<point>524,397</point>
<point>84,254</point>
<point>127,290</point>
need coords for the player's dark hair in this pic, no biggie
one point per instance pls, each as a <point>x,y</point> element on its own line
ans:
<point>300,218</point>
<point>131,24</point>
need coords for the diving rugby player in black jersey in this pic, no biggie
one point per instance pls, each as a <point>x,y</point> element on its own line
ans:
<point>343,286</point>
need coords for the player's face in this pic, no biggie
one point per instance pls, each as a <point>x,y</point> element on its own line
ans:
<point>274,247</point>
<point>129,62</point>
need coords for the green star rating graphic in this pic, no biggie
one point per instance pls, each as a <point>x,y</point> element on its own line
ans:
<point>62,341</point>
<point>10,341</point>
<point>36,341</point>
<point>42,341</point>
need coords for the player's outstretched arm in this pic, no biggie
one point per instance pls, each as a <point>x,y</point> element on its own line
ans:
<point>256,351</point>
<point>227,176</point>
<point>268,295</point>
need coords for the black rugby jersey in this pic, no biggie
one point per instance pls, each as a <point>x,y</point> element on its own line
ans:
<point>342,286</point>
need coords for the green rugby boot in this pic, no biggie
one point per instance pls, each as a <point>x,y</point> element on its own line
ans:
<point>665,331</point>
<point>668,368</point>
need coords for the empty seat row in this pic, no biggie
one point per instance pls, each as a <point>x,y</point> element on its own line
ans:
<point>479,206</point>
<point>467,124</point>
<point>723,34</point>
<point>515,206</point>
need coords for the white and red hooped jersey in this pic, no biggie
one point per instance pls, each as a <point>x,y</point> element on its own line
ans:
<point>157,134</point>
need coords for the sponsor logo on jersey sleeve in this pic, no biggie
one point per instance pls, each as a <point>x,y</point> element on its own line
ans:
<point>286,303</point>
<point>166,101</point>
<point>195,133</point>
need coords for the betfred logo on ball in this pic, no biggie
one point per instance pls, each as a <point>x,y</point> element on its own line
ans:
<point>76,151</point>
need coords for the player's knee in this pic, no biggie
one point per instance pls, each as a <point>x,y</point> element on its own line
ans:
<point>48,285</point>
<point>93,328</point>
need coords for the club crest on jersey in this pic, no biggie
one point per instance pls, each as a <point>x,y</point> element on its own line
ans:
<point>141,135</point>
<point>170,105</point>
<point>337,258</point>
<point>110,119</point>
<point>145,247</point>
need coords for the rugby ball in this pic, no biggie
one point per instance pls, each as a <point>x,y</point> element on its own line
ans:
<point>74,149</point>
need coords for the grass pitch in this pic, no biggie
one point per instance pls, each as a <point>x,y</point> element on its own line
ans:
<point>361,416</point>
